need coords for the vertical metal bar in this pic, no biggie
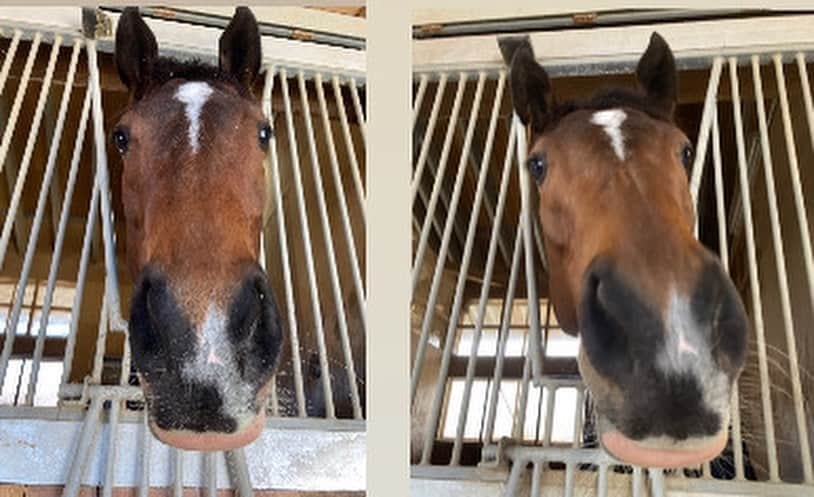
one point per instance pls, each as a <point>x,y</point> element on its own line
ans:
<point>79,462</point>
<point>285,261</point>
<point>236,460</point>
<point>211,473</point>
<point>656,482</point>
<point>484,295</point>
<point>513,483</point>
<point>146,448</point>
<point>419,360</point>
<point>8,344</point>
<point>17,194</point>
<point>536,477</point>
<point>807,100</point>
<point>342,321</point>
<point>754,283</point>
<point>440,386</point>
<point>11,51</point>
<point>354,163</point>
<point>357,106</point>
<point>67,362</point>
<point>637,482</point>
<point>710,101</point>
<point>309,260</point>
<point>438,185</point>
<point>428,133</point>
<point>505,331</point>
<point>110,457</point>
<point>464,270</point>
<point>178,474</point>
<point>570,467</point>
<point>419,96</point>
<point>35,227</point>
<point>519,428</point>
<point>22,87</point>
<point>805,237</point>
<point>117,322</point>
<point>549,413</point>
<point>343,203</point>
<point>602,481</point>
<point>101,344</point>
<point>535,347</point>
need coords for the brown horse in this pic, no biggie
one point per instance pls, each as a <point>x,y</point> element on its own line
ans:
<point>204,327</point>
<point>663,330</point>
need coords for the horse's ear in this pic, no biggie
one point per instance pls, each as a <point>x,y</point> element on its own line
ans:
<point>239,47</point>
<point>656,73</point>
<point>530,86</point>
<point>136,51</point>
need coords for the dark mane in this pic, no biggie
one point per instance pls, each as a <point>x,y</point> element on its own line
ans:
<point>605,98</point>
<point>168,68</point>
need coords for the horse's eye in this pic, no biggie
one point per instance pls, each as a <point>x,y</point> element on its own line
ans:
<point>121,138</point>
<point>538,166</point>
<point>687,156</point>
<point>264,135</point>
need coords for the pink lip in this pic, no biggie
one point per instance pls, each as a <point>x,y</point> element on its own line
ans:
<point>211,441</point>
<point>632,452</point>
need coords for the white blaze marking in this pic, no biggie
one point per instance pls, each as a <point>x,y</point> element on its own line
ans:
<point>193,95</point>
<point>611,120</point>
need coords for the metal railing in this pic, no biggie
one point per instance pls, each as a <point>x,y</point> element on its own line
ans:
<point>437,313</point>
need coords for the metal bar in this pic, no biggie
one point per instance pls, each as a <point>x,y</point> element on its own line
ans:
<point>14,204</point>
<point>484,296</point>
<point>656,482</point>
<point>83,258</point>
<point>513,483</point>
<point>806,86</point>
<point>101,344</point>
<point>428,132</point>
<point>35,227</point>
<point>330,249</point>
<point>602,481</point>
<point>144,483</point>
<point>117,322</point>
<point>805,238</point>
<point>723,248</point>
<point>757,308</point>
<point>535,346</point>
<point>285,263</point>
<point>110,459</point>
<point>22,173</point>
<point>438,184</point>
<point>422,342</point>
<point>354,163</point>
<point>178,474</point>
<point>211,473</point>
<point>505,331</point>
<point>236,460</point>
<point>440,386</point>
<point>464,269</point>
<point>519,428</point>
<point>703,130</point>
<point>419,97</point>
<point>636,482</point>
<point>357,107</point>
<point>306,240</point>
<point>80,460</point>
<point>536,477</point>
<point>549,412</point>
<point>8,132</point>
<point>343,203</point>
<point>11,51</point>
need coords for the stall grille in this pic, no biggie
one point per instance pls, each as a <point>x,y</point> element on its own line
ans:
<point>513,411</point>
<point>60,191</point>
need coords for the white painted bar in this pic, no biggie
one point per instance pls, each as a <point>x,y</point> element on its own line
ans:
<point>754,284</point>
<point>419,96</point>
<point>11,51</point>
<point>710,101</point>
<point>330,249</point>
<point>354,163</point>
<point>8,131</point>
<point>440,385</point>
<point>428,132</point>
<point>284,258</point>
<point>307,247</point>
